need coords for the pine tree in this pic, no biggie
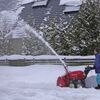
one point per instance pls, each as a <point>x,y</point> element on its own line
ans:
<point>84,31</point>
<point>56,34</point>
<point>32,45</point>
<point>4,44</point>
<point>7,24</point>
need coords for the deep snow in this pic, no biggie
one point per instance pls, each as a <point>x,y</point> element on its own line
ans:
<point>38,82</point>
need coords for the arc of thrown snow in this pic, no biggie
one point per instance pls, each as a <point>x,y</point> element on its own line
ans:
<point>47,44</point>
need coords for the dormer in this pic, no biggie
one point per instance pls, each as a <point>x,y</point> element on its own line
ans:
<point>40,3</point>
<point>71,6</point>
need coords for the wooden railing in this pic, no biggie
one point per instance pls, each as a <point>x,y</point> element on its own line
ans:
<point>26,62</point>
<point>69,62</point>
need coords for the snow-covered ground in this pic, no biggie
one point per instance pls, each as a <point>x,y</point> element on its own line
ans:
<point>38,82</point>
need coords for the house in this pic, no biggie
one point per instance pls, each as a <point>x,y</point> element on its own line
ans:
<point>42,10</point>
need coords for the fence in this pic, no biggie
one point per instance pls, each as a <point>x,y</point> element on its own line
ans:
<point>69,62</point>
<point>26,62</point>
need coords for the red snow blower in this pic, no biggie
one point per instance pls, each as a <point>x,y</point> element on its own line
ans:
<point>73,79</point>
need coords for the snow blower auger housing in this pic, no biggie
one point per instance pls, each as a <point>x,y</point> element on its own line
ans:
<point>74,79</point>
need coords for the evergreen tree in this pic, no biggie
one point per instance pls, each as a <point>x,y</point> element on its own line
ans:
<point>32,45</point>
<point>4,44</point>
<point>84,32</point>
<point>7,24</point>
<point>56,34</point>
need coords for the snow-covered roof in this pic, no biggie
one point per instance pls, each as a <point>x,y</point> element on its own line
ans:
<point>25,1</point>
<point>40,3</point>
<point>71,9</point>
<point>71,2</point>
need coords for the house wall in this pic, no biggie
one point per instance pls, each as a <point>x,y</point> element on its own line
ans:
<point>16,45</point>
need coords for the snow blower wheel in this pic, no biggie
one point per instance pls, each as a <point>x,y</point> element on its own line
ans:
<point>71,84</point>
<point>80,84</point>
<point>75,84</point>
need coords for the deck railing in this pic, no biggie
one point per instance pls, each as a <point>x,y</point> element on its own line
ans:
<point>54,61</point>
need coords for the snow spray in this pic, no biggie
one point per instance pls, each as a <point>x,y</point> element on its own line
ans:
<point>47,44</point>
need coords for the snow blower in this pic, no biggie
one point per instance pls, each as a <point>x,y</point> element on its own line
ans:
<point>74,79</point>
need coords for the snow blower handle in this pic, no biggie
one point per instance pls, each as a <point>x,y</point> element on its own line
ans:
<point>66,69</point>
<point>87,70</point>
<point>65,65</point>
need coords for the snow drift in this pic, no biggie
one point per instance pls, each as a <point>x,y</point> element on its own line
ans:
<point>38,82</point>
